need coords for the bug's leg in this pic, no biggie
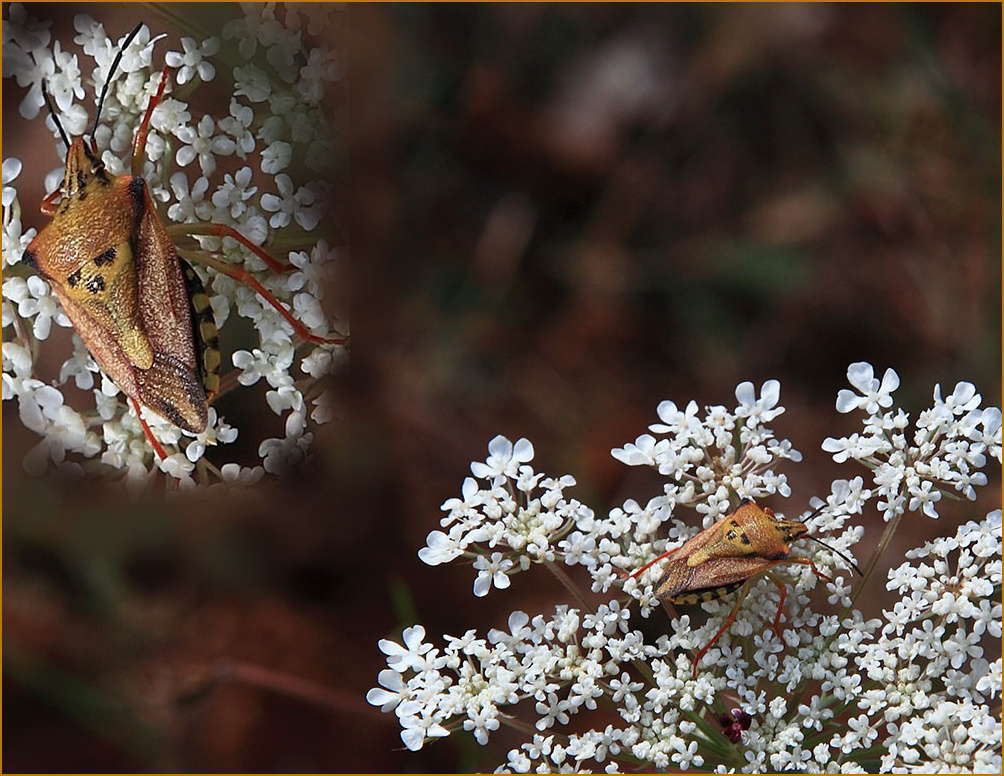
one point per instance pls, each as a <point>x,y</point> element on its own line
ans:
<point>242,276</point>
<point>157,449</point>
<point>222,230</point>
<point>728,621</point>
<point>139,142</point>
<point>50,202</point>
<point>780,606</point>
<point>784,590</point>
<point>652,562</point>
<point>807,562</point>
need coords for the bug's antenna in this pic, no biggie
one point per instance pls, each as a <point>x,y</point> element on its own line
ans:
<point>111,72</point>
<point>813,513</point>
<point>52,112</point>
<point>819,508</point>
<point>48,104</point>
<point>838,552</point>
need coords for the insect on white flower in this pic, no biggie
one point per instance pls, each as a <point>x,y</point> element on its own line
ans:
<point>233,200</point>
<point>885,675</point>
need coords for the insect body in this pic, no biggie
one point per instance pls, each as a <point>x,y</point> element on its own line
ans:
<point>139,308</point>
<point>728,555</point>
<point>117,274</point>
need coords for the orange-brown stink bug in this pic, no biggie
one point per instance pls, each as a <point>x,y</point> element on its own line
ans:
<point>728,555</point>
<point>137,305</point>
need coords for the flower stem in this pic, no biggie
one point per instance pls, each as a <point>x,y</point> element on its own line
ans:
<point>289,685</point>
<point>569,585</point>
<point>890,530</point>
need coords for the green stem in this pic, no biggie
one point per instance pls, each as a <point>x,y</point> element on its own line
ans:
<point>523,727</point>
<point>890,530</point>
<point>569,585</point>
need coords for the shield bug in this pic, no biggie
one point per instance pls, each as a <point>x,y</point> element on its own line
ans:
<point>127,287</point>
<point>730,555</point>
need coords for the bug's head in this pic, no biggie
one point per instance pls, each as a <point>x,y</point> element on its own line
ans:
<point>790,530</point>
<point>787,530</point>
<point>82,165</point>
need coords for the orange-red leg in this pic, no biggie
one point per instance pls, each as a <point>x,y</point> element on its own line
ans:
<point>651,563</point>
<point>804,562</point>
<point>222,230</point>
<point>780,607</point>
<point>242,276</point>
<point>139,142</point>
<point>728,621</point>
<point>149,434</point>
<point>746,588</point>
<point>49,203</point>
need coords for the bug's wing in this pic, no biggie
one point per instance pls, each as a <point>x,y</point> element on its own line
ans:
<point>173,386</point>
<point>168,387</point>
<point>164,305</point>
<point>680,578</point>
<point>675,578</point>
<point>172,389</point>
<point>728,571</point>
<point>679,573</point>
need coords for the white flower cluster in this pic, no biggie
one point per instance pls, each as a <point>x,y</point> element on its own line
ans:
<point>949,443</point>
<point>701,458</point>
<point>831,689</point>
<point>275,122</point>
<point>927,678</point>
<point>508,525</point>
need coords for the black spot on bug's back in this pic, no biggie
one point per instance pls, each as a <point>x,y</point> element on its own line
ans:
<point>105,258</point>
<point>96,284</point>
<point>745,539</point>
<point>73,278</point>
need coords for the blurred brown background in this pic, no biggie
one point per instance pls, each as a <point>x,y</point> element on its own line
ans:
<point>559,216</point>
